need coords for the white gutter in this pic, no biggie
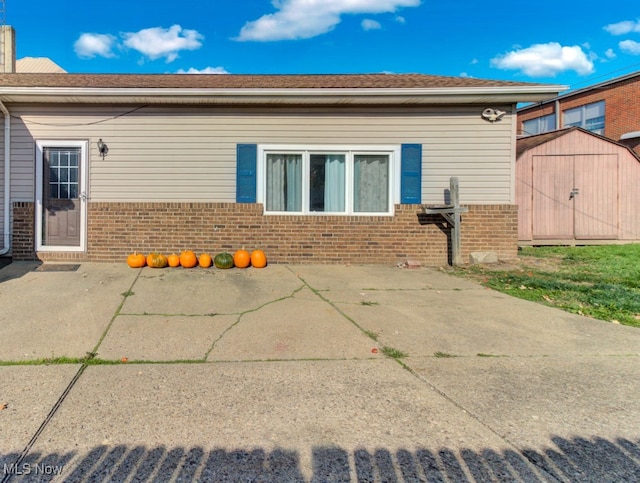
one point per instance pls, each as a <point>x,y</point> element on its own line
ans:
<point>7,180</point>
<point>630,135</point>
<point>454,95</point>
<point>356,92</point>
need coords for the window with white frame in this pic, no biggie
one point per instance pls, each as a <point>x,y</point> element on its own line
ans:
<point>539,125</point>
<point>589,117</point>
<point>328,180</point>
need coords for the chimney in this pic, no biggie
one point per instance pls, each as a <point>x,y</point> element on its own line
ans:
<point>7,49</point>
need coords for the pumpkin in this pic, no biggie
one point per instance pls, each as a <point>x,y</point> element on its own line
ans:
<point>205,260</point>
<point>173,260</point>
<point>241,259</point>
<point>258,259</point>
<point>157,260</point>
<point>223,260</point>
<point>136,260</point>
<point>188,259</point>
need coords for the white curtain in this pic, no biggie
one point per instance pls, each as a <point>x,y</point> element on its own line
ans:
<point>371,183</point>
<point>334,172</point>
<point>284,182</point>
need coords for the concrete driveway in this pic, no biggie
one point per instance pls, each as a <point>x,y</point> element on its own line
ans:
<point>305,373</point>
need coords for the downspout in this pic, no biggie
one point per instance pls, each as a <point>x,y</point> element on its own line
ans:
<point>556,108</point>
<point>7,180</point>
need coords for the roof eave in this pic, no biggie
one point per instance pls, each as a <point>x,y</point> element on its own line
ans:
<point>459,95</point>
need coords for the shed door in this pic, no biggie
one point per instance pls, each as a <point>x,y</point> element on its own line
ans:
<point>596,206</point>
<point>575,197</point>
<point>552,206</point>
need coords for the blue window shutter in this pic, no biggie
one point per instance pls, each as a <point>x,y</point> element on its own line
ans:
<point>246,163</point>
<point>411,174</point>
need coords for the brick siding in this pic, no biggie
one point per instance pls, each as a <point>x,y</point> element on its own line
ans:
<point>622,108</point>
<point>23,234</point>
<point>116,229</point>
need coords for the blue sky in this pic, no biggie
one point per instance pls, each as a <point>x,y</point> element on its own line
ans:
<point>575,43</point>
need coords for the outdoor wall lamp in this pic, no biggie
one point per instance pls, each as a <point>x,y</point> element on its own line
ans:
<point>103,149</point>
<point>492,115</point>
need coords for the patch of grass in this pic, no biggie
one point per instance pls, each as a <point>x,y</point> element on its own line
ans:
<point>393,353</point>
<point>128,293</point>
<point>371,334</point>
<point>602,282</point>
<point>368,303</point>
<point>442,355</point>
<point>482,354</point>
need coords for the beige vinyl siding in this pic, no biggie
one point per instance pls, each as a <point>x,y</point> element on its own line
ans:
<point>176,153</point>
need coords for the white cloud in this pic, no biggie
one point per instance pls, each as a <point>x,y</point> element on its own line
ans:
<point>158,42</point>
<point>624,27</point>
<point>368,24</point>
<point>303,19</point>
<point>91,45</point>
<point>610,54</point>
<point>206,70</point>
<point>545,60</point>
<point>401,19</point>
<point>630,47</point>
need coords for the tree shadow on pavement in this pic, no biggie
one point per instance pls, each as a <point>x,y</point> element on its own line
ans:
<point>576,459</point>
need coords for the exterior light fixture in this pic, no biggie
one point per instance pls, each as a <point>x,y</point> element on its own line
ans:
<point>492,115</point>
<point>103,149</point>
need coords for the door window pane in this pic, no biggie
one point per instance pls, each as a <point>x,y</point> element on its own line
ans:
<point>63,172</point>
<point>371,183</point>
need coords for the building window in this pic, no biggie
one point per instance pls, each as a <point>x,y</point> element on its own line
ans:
<point>539,125</point>
<point>589,117</point>
<point>346,181</point>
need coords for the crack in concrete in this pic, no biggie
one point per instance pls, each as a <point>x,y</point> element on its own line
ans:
<point>242,314</point>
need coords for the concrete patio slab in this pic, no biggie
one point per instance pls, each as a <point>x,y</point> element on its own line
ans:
<point>378,277</point>
<point>283,421</point>
<point>163,338</point>
<point>530,400</point>
<point>300,327</point>
<point>29,393</point>
<point>200,291</point>
<point>478,322</point>
<point>54,314</point>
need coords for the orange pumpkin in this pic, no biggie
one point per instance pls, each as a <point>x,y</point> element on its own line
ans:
<point>204,260</point>
<point>157,260</point>
<point>241,259</point>
<point>258,259</point>
<point>136,260</point>
<point>173,260</point>
<point>188,259</point>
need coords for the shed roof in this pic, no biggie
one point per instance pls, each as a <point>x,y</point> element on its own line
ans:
<point>524,144</point>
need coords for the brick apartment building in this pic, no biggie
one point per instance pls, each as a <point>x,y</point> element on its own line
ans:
<point>611,109</point>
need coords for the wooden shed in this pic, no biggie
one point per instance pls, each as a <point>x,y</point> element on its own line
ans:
<point>573,186</point>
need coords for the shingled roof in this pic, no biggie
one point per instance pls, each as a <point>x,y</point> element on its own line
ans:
<point>230,81</point>
<point>529,142</point>
<point>229,89</point>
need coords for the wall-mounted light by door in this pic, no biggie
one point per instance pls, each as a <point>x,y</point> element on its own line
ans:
<point>103,149</point>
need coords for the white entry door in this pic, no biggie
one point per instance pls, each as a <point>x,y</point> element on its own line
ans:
<point>61,199</point>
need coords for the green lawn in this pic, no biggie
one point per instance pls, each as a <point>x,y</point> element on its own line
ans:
<point>597,281</point>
